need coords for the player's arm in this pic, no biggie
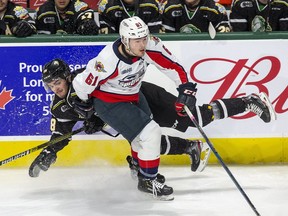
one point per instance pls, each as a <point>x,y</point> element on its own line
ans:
<point>58,128</point>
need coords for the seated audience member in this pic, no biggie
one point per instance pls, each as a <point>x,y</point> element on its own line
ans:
<point>15,20</point>
<point>66,17</point>
<point>112,12</point>
<point>259,15</point>
<point>194,16</point>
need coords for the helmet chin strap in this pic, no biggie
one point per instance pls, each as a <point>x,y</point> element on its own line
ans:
<point>127,51</point>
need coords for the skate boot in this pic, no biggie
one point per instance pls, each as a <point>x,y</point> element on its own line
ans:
<point>42,162</point>
<point>193,149</point>
<point>155,188</point>
<point>261,106</point>
<point>134,168</point>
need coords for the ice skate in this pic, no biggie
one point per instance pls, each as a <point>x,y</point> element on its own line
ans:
<point>194,150</point>
<point>42,162</point>
<point>154,188</point>
<point>134,168</point>
<point>261,106</point>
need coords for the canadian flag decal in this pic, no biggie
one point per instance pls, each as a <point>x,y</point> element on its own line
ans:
<point>5,97</point>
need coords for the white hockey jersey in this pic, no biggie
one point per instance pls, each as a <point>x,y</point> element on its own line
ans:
<point>113,78</point>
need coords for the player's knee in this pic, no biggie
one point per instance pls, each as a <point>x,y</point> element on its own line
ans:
<point>149,141</point>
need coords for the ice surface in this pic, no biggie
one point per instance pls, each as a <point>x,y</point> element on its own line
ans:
<point>107,190</point>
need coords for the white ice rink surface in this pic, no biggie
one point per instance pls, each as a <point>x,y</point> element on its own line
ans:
<point>107,190</point>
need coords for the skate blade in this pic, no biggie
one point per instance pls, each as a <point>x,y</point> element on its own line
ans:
<point>263,96</point>
<point>161,198</point>
<point>204,157</point>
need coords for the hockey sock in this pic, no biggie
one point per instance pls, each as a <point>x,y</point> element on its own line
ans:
<point>224,108</point>
<point>172,145</point>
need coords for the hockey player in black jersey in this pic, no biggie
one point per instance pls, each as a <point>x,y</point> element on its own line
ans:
<point>194,16</point>
<point>112,12</point>
<point>259,15</point>
<point>15,20</point>
<point>65,17</point>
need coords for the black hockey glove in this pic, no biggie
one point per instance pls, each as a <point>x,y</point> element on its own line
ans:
<point>187,92</point>
<point>88,27</point>
<point>23,29</point>
<point>85,109</point>
<point>93,124</point>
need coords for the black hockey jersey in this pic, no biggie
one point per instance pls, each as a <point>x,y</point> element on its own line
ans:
<point>14,14</point>
<point>177,17</point>
<point>243,13</point>
<point>63,120</point>
<point>50,21</point>
<point>112,12</point>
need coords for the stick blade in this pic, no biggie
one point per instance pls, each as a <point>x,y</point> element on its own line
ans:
<point>211,31</point>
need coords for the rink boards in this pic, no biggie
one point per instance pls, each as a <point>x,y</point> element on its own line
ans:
<point>99,152</point>
<point>222,69</point>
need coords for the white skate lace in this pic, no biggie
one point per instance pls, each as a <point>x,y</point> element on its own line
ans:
<point>255,109</point>
<point>156,187</point>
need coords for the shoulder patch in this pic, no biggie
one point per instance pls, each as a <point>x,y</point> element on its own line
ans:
<point>79,6</point>
<point>221,8</point>
<point>99,67</point>
<point>102,5</point>
<point>20,12</point>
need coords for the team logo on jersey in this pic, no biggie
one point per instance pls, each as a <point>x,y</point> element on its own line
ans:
<point>64,108</point>
<point>99,67</point>
<point>132,80</point>
<point>49,20</point>
<point>246,4</point>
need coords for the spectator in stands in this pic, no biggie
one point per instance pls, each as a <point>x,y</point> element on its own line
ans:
<point>15,20</point>
<point>259,15</point>
<point>66,17</point>
<point>194,16</point>
<point>112,12</point>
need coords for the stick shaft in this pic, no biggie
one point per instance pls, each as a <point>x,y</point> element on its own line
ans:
<point>220,160</point>
<point>43,145</point>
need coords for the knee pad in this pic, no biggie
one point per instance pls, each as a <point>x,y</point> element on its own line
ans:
<point>148,142</point>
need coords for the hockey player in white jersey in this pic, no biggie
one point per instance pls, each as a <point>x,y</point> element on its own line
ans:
<point>113,80</point>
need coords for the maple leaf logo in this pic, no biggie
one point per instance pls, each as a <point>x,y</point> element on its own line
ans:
<point>5,98</point>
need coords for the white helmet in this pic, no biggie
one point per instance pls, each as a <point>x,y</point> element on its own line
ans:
<point>132,28</point>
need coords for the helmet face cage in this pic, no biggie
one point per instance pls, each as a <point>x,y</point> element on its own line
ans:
<point>132,28</point>
<point>54,70</point>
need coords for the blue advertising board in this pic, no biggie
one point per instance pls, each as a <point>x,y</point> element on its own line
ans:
<point>24,103</point>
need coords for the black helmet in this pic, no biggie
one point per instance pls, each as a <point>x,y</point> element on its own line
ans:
<point>54,69</point>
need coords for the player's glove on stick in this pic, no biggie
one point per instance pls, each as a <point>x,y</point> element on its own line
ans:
<point>23,29</point>
<point>187,92</point>
<point>93,125</point>
<point>84,108</point>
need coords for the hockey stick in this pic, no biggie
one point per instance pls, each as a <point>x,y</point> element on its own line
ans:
<point>49,143</point>
<point>220,160</point>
